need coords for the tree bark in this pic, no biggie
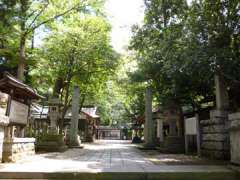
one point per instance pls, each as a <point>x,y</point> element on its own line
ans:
<point>66,105</point>
<point>57,87</point>
<point>22,59</point>
<point>66,102</point>
<point>23,36</point>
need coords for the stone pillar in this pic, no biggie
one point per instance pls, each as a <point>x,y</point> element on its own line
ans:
<point>149,125</point>
<point>74,137</point>
<point>215,134</point>
<point>1,141</point>
<point>222,100</point>
<point>234,137</point>
<point>4,121</point>
<point>215,142</point>
<point>160,130</point>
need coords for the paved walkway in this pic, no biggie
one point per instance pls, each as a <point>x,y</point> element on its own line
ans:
<point>101,157</point>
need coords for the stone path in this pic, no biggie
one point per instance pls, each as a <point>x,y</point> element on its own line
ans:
<point>100,157</point>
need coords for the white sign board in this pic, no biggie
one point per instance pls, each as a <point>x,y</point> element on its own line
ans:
<point>18,112</point>
<point>191,126</point>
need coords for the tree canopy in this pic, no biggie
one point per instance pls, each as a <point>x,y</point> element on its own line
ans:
<point>177,51</point>
<point>180,47</point>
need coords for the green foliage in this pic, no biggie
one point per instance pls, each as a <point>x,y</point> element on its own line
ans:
<point>21,19</point>
<point>80,49</point>
<point>180,47</point>
<point>50,137</point>
<point>78,52</point>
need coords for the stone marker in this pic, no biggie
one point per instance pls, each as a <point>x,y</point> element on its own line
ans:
<point>215,141</point>
<point>160,129</point>
<point>234,119</point>
<point>74,139</point>
<point>148,126</point>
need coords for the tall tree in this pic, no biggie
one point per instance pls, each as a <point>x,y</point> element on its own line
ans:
<point>178,44</point>
<point>31,14</point>
<point>77,52</point>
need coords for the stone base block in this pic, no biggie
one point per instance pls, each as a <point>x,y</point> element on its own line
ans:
<point>235,146</point>
<point>75,142</point>
<point>1,141</point>
<point>214,154</point>
<point>89,139</point>
<point>17,148</point>
<point>50,146</point>
<point>215,143</point>
<point>136,140</point>
<point>173,144</point>
<point>235,137</point>
<point>51,142</point>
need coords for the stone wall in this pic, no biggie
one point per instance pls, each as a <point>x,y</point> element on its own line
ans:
<point>215,142</point>
<point>1,141</point>
<point>4,120</point>
<point>234,120</point>
<point>17,148</point>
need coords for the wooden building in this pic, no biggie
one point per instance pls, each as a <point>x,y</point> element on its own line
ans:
<point>18,98</point>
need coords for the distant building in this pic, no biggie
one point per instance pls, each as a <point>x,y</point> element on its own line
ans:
<point>88,120</point>
<point>107,132</point>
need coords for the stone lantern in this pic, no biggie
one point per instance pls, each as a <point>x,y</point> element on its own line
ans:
<point>54,112</point>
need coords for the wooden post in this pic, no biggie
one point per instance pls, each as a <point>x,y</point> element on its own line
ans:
<point>186,144</point>
<point>198,135</point>
<point>185,137</point>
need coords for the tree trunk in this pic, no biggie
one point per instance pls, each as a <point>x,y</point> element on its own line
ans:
<point>66,102</point>
<point>65,108</point>
<point>22,59</point>
<point>82,101</point>
<point>58,85</point>
<point>23,36</point>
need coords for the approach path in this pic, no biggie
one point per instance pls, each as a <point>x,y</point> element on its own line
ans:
<point>104,156</point>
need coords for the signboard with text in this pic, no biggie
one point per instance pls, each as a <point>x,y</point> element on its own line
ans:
<point>18,113</point>
<point>191,126</point>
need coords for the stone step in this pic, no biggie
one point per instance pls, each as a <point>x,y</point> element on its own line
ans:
<point>123,175</point>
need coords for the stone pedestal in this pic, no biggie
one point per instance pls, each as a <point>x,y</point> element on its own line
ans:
<point>1,141</point>
<point>173,144</point>
<point>174,141</point>
<point>3,123</point>
<point>51,143</point>
<point>74,139</point>
<point>15,149</point>
<point>235,137</point>
<point>215,137</point>
<point>149,125</point>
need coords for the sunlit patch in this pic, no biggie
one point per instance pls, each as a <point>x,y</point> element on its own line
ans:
<point>163,160</point>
